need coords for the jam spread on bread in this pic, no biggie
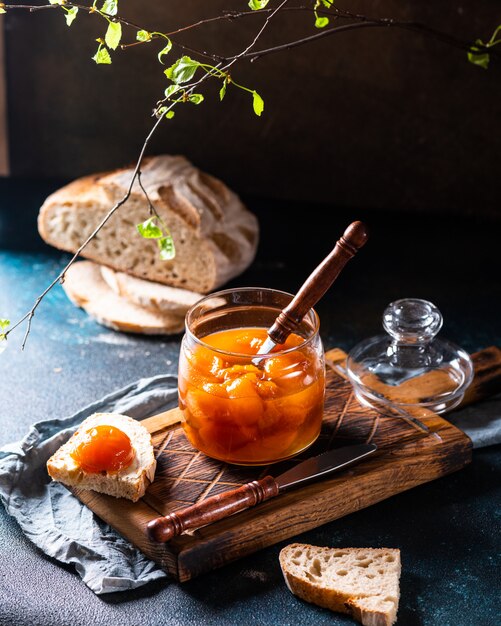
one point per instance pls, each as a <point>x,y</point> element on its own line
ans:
<point>238,412</point>
<point>103,449</point>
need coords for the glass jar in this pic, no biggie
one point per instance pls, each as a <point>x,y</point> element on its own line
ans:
<point>240,409</point>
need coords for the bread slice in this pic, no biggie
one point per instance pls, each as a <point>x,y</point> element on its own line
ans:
<point>215,235</point>
<point>131,482</point>
<point>86,288</point>
<point>150,295</point>
<point>363,582</point>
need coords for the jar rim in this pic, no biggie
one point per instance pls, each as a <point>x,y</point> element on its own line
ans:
<point>311,313</point>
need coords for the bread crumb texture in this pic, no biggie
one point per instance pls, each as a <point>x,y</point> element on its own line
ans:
<point>215,235</point>
<point>363,582</point>
<point>130,483</point>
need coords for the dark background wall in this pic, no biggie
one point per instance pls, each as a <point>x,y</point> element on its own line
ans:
<point>372,118</point>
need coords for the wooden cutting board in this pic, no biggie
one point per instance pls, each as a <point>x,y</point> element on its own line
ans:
<point>407,456</point>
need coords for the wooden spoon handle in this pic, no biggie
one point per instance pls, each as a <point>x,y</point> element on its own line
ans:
<point>161,529</point>
<point>354,237</point>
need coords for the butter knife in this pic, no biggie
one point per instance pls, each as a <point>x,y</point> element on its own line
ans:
<point>161,529</point>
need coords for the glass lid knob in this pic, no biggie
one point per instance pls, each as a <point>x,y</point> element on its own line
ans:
<point>412,321</point>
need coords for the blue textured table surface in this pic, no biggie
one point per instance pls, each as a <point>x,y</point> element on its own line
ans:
<point>448,530</point>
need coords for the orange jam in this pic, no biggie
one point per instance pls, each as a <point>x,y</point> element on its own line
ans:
<point>243,413</point>
<point>104,449</point>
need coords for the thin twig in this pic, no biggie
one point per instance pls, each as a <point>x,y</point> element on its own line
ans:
<point>261,30</point>
<point>29,315</point>
<point>151,206</point>
<point>328,32</point>
<point>304,40</point>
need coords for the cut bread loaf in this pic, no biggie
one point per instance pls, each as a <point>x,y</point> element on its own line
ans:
<point>215,236</point>
<point>150,295</point>
<point>364,582</point>
<point>86,288</point>
<point>130,482</point>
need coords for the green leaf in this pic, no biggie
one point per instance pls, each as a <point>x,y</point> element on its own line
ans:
<point>71,15</point>
<point>257,103</point>
<point>479,58</point>
<point>113,35</point>
<point>171,90</point>
<point>2,10</point>
<point>143,35</point>
<point>102,56</point>
<point>255,5</point>
<point>169,115</point>
<point>182,70</point>
<point>327,3</point>
<point>55,1</point>
<point>196,98</point>
<point>222,91</point>
<point>321,22</point>
<point>3,325</point>
<point>110,7</point>
<point>149,230</point>
<point>167,249</point>
<point>165,50</point>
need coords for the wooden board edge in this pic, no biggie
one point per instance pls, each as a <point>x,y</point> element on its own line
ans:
<point>164,420</point>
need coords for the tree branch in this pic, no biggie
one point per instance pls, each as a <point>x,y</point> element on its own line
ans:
<point>382,23</point>
<point>220,70</point>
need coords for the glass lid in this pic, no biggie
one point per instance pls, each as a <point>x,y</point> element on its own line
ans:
<point>410,366</point>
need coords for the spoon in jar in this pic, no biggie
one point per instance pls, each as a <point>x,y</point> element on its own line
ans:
<point>315,286</point>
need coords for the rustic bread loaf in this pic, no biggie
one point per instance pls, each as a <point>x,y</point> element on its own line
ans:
<point>363,582</point>
<point>150,295</point>
<point>130,482</point>
<point>86,288</point>
<point>215,235</point>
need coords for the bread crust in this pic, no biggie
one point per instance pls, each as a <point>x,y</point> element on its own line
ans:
<point>369,617</point>
<point>215,235</point>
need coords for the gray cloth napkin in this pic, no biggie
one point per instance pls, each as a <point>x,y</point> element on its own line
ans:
<point>57,522</point>
<point>481,422</point>
<point>54,520</point>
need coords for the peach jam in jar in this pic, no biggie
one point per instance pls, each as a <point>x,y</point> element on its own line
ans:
<point>240,409</point>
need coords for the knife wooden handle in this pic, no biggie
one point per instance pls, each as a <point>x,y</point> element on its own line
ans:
<point>161,529</point>
<point>354,237</point>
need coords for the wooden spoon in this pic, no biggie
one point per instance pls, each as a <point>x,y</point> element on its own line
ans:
<point>315,286</point>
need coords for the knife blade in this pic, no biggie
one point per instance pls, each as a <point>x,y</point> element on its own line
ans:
<point>163,528</point>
